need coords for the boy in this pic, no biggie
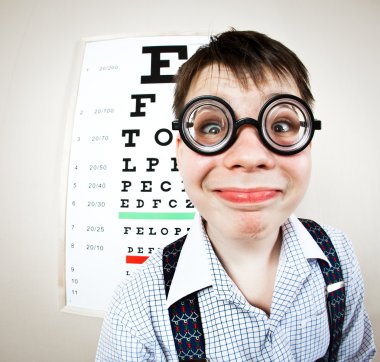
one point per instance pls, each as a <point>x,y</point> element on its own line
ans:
<point>244,154</point>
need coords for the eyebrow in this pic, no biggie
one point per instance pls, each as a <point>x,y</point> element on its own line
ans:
<point>271,95</point>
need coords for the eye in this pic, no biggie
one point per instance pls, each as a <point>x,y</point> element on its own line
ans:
<point>282,126</point>
<point>209,125</point>
<point>284,121</point>
<point>211,128</point>
<point>208,121</point>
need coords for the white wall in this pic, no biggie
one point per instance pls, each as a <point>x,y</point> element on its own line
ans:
<point>39,41</point>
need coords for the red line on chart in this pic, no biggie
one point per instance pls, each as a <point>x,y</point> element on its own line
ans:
<point>133,259</point>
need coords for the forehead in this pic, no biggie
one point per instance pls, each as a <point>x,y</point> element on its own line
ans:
<point>220,81</point>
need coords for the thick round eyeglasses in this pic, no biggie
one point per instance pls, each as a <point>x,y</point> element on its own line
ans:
<point>208,125</point>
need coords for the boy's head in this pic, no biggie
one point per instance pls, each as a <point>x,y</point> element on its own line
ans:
<point>248,188</point>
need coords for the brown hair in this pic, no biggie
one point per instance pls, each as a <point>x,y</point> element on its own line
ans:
<point>247,54</point>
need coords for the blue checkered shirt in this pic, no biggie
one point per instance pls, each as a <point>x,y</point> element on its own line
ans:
<point>137,326</point>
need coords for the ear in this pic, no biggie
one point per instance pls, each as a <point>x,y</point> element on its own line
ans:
<point>178,150</point>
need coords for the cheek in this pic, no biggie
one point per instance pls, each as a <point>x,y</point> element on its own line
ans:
<point>298,168</point>
<point>194,169</point>
<point>192,166</point>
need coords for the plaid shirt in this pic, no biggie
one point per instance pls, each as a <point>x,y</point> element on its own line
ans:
<point>137,325</point>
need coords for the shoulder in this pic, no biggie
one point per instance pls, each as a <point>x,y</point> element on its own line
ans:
<point>357,331</point>
<point>343,248</point>
<point>342,243</point>
<point>136,321</point>
<point>143,282</point>
<point>348,261</point>
<point>139,297</point>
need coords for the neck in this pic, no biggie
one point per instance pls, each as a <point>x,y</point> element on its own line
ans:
<point>251,262</point>
<point>263,246</point>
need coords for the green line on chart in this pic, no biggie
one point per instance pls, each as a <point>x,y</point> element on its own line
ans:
<point>157,215</point>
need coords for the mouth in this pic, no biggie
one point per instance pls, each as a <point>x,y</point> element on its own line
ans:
<point>247,196</point>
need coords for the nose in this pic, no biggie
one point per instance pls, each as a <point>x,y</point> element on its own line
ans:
<point>248,152</point>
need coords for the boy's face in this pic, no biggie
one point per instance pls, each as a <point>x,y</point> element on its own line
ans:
<point>246,191</point>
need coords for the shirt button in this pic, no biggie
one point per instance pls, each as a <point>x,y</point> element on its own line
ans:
<point>269,339</point>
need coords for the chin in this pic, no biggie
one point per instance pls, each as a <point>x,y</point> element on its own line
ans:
<point>247,225</point>
<point>251,225</point>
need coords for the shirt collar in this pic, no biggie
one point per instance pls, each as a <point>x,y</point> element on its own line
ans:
<point>193,269</point>
<point>310,248</point>
<point>192,272</point>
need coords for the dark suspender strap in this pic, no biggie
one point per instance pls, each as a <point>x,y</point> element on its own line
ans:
<point>185,317</point>
<point>335,291</point>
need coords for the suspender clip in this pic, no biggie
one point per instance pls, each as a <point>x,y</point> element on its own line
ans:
<point>335,286</point>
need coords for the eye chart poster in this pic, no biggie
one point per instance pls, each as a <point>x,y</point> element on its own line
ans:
<point>125,196</point>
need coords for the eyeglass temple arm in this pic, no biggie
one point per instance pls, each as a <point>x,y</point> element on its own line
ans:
<point>316,123</point>
<point>175,125</point>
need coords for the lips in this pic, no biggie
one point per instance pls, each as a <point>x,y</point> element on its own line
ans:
<point>247,196</point>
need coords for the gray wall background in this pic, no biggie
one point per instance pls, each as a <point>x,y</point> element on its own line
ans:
<point>40,44</point>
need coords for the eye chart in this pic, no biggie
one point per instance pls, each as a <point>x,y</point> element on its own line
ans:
<point>125,197</point>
